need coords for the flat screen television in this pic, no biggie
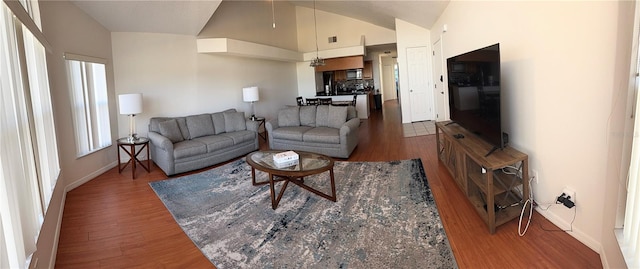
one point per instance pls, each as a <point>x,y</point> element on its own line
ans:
<point>474,93</point>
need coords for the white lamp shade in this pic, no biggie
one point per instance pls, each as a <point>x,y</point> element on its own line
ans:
<point>250,94</point>
<point>130,104</point>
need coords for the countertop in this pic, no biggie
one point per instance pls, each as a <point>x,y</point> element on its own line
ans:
<point>318,94</point>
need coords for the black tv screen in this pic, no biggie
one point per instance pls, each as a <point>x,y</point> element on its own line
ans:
<point>474,93</point>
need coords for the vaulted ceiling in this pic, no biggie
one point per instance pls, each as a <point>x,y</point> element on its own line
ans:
<point>188,17</point>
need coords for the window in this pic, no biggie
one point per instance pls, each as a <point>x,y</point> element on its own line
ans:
<point>90,106</point>
<point>29,165</point>
<point>628,235</point>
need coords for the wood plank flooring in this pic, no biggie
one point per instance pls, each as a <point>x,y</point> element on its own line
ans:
<point>116,222</point>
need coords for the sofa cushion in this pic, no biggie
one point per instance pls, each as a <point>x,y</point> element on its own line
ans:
<point>234,121</point>
<point>200,125</point>
<point>290,132</point>
<point>182,124</point>
<point>322,135</point>
<point>337,116</point>
<point>308,116</point>
<point>351,112</point>
<point>322,115</point>
<point>188,148</point>
<point>218,122</point>
<point>289,116</point>
<point>241,136</point>
<point>170,129</point>
<point>154,125</point>
<point>215,142</point>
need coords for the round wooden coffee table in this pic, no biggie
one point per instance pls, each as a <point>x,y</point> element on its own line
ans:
<point>308,164</point>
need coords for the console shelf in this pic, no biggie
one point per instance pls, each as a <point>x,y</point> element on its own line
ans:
<point>494,184</point>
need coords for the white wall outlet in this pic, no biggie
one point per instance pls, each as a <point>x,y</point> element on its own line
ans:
<point>570,193</point>
<point>535,175</point>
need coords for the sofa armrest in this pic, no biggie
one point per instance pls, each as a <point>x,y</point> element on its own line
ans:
<point>271,125</point>
<point>349,126</point>
<point>160,141</point>
<point>253,125</point>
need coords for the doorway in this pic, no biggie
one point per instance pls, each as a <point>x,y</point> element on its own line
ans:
<point>419,85</point>
<point>389,89</point>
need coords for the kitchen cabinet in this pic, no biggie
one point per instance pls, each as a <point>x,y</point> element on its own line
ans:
<point>367,71</point>
<point>340,75</point>
<point>342,63</point>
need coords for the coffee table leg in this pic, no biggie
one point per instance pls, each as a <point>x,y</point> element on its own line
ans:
<point>276,200</point>
<point>253,176</point>
<point>333,186</point>
<point>273,192</point>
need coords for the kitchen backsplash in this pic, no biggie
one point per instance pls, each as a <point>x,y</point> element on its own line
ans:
<point>353,84</point>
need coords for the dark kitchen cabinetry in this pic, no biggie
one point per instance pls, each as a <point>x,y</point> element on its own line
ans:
<point>367,71</point>
<point>340,75</point>
<point>342,63</point>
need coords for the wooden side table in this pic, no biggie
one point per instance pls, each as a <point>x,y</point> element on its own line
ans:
<point>260,121</point>
<point>130,148</point>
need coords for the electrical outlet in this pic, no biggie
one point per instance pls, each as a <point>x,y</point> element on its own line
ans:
<point>535,175</point>
<point>571,194</point>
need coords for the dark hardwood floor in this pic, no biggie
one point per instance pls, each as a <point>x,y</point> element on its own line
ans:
<point>113,221</point>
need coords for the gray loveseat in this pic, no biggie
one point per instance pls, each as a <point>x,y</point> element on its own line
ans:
<point>181,144</point>
<point>328,130</point>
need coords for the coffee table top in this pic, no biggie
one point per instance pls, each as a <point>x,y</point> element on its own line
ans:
<point>308,163</point>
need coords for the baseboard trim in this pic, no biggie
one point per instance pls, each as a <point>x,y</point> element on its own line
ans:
<point>56,238</point>
<point>68,188</point>
<point>91,176</point>
<point>576,233</point>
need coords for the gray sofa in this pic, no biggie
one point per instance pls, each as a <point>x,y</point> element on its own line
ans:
<point>181,144</point>
<point>328,130</point>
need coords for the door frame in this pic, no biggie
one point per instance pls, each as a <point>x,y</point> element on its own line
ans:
<point>440,96</point>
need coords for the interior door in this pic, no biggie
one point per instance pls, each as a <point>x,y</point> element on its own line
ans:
<point>388,79</point>
<point>440,93</point>
<point>420,89</point>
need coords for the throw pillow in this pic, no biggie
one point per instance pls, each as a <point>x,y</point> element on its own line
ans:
<point>234,121</point>
<point>289,116</point>
<point>337,116</point>
<point>218,122</point>
<point>308,116</point>
<point>182,123</point>
<point>322,115</point>
<point>200,125</point>
<point>351,112</point>
<point>170,129</point>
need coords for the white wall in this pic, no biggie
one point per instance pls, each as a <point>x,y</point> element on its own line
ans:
<point>347,30</point>
<point>68,29</point>
<point>408,36</point>
<point>177,81</point>
<point>255,23</point>
<point>561,68</point>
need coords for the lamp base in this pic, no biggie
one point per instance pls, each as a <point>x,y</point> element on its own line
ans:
<point>132,138</point>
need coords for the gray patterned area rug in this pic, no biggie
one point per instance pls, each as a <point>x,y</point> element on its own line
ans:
<point>385,217</point>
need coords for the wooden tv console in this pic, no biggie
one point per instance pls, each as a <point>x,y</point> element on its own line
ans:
<point>489,182</point>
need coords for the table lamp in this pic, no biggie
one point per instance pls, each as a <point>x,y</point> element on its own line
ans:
<point>251,94</point>
<point>131,104</point>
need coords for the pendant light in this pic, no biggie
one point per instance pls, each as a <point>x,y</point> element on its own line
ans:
<point>317,61</point>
